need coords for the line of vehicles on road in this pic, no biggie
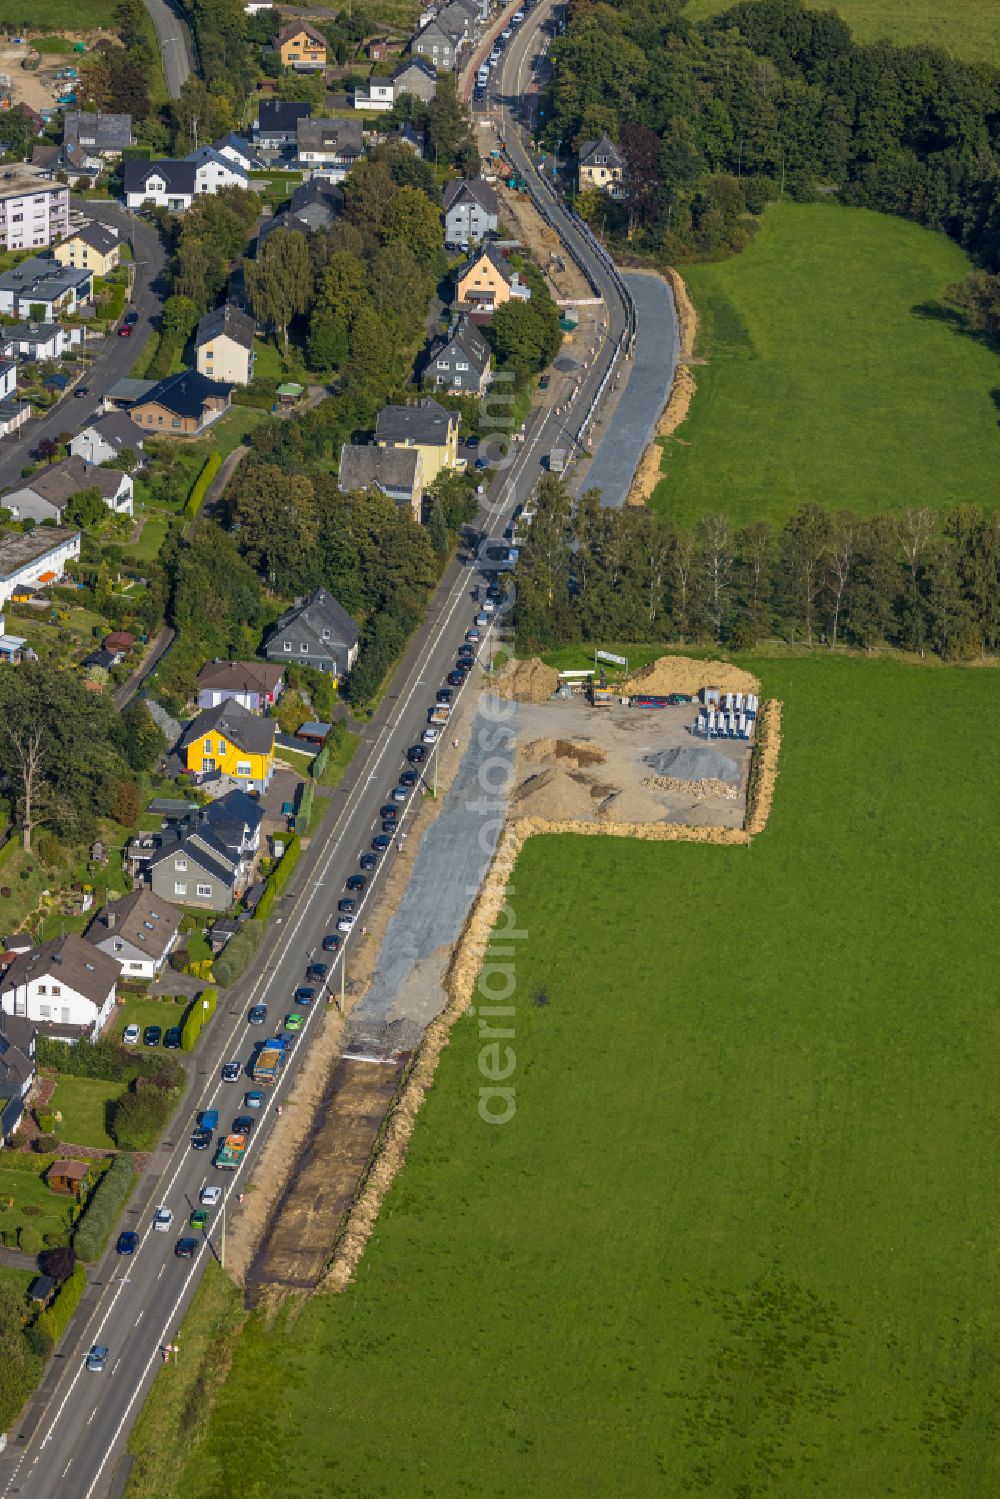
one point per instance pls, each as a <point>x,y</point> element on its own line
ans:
<point>499,43</point>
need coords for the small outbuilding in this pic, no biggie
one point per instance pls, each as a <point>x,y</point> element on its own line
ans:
<point>70,1177</point>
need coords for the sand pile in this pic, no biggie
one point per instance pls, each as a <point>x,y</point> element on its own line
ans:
<point>528,681</point>
<point>541,750</point>
<point>682,674</point>
<point>693,763</point>
<point>558,793</point>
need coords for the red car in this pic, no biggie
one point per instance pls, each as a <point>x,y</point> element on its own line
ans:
<point>125,331</point>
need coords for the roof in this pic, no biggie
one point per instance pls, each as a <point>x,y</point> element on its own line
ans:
<point>205,154</point>
<point>240,676</point>
<point>41,1288</point>
<point>226,322</point>
<point>186,393</point>
<point>235,142</point>
<point>424,421</point>
<point>16,1064</point>
<point>603,147</point>
<point>129,390</point>
<point>178,176</point>
<point>142,919</point>
<point>344,135</point>
<point>117,429</point>
<point>317,191</point>
<point>41,278</point>
<point>253,735</point>
<point>319,612</point>
<point>105,132</point>
<point>465,339</point>
<point>420,63</point>
<point>362,465</point>
<point>119,640</point>
<point>280,114</point>
<point>295,28</point>
<point>77,963</point>
<point>59,482</point>
<point>100,657</point>
<point>492,254</point>
<point>22,332</point>
<point>98,236</point>
<point>17,551</point>
<point>71,1170</point>
<point>200,845</point>
<point>475,188</point>
<point>313,729</point>
<point>21,180</point>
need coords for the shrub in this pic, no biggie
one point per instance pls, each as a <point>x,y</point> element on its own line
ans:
<point>199,488</point>
<point>139,1118</point>
<point>29,1239</point>
<point>46,1123</point>
<point>236,957</point>
<point>200,1010</point>
<point>54,1321</point>
<point>45,1144</point>
<point>106,1202</point>
<point>188,924</point>
<point>49,849</point>
<point>58,1262</point>
<point>126,803</point>
<point>108,1061</point>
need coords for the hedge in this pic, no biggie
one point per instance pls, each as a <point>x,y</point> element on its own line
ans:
<point>159,365</point>
<point>234,960</point>
<point>56,1318</point>
<point>199,1011</point>
<point>101,1214</point>
<point>108,1061</point>
<point>305,808</point>
<point>20,1160</point>
<point>200,486</point>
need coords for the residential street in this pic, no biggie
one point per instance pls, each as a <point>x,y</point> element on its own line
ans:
<point>175,44</point>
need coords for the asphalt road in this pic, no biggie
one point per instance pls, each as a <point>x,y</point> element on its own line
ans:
<point>116,357</point>
<point>175,45</point>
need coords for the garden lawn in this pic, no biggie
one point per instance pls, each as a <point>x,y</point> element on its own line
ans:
<point>83,1101</point>
<point>965,28</point>
<point>140,1011</point>
<point>28,1190</point>
<point>736,1239</point>
<point>832,377</point>
<point>151,538</point>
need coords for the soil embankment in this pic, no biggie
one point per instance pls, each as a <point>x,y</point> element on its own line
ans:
<point>648,473</point>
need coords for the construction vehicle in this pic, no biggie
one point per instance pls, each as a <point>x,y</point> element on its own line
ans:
<point>558,459</point>
<point>269,1061</point>
<point>230,1152</point>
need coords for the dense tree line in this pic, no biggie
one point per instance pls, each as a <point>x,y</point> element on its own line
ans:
<point>714,118</point>
<point>912,580</point>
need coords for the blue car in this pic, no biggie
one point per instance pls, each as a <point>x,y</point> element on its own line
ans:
<point>257,1014</point>
<point>305,995</point>
<point>128,1242</point>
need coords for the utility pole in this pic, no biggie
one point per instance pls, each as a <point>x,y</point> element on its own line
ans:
<point>222,1242</point>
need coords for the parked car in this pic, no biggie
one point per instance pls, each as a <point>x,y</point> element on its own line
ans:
<point>231,1072</point>
<point>345,923</point>
<point>356,882</point>
<point>304,995</point>
<point>131,318</point>
<point>473,636</point>
<point>331,942</point>
<point>444,695</point>
<point>184,1248</point>
<point>456,678</point>
<point>408,779</point>
<point>400,794</point>
<point>151,1035</point>
<point>81,392</point>
<point>162,1219</point>
<point>128,1242</point>
<point>97,1358</point>
<point>388,825</point>
<point>131,1034</point>
<point>257,1014</point>
<point>482,618</point>
<point>125,331</point>
<point>172,1038</point>
<point>388,813</point>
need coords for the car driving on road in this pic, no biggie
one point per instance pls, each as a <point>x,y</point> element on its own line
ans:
<point>184,1248</point>
<point>162,1219</point>
<point>231,1072</point>
<point>97,1358</point>
<point>331,942</point>
<point>127,1242</point>
<point>304,994</point>
<point>257,1014</point>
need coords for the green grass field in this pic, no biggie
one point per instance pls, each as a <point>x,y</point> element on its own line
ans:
<point>50,1212</point>
<point>965,28</point>
<point>830,379</point>
<point>82,1102</point>
<point>737,1239</point>
<point>83,15</point>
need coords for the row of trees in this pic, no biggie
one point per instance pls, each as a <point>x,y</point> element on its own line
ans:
<point>714,117</point>
<point>913,579</point>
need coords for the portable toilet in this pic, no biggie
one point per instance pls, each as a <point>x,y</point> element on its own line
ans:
<point>739,702</point>
<point>711,724</point>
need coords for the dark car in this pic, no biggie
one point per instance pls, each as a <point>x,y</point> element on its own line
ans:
<point>332,941</point>
<point>465,658</point>
<point>545,382</point>
<point>257,1014</point>
<point>388,826</point>
<point>368,861</point>
<point>416,754</point>
<point>304,994</point>
<point>81,392</point>
<point>317,972</point>
<point>231,1072</point>
<point>125,331</point>
<point>185,1248</point>
<point>151,1035</point>
<point>128,1242</point>
<point>445,695</point>
<point>456,678</point>
<point>346,906</point>
<point>131,318</point>
<point>408,778</point>
<point>201,1139</point>
<point>380,843</point>
<point>481,465</point>
<point>356,882</point>
<point>244,1124</point>
<point>172,1038</point>
<point>388,813</point>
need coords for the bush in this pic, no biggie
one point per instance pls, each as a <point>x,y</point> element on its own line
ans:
<point>29,1239</point>
<point>236,957</point>
<point>18,1160</point>
<point>139,1118</point>
<point>199,488</point>
<point>54,1321</point>
<point>108,1061</point>
<point>163,357</point>
<point>46,1123</point>
<point>200,1010</point>
<point>104,1208</point>
<point>188,924</point>
<point>58,1262</point>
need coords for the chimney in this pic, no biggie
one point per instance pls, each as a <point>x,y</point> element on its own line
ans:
<point>110,920</point>
<point>57,956</point>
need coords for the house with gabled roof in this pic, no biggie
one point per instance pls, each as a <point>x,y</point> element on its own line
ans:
<point>416,76</point>
<point>66,987</point>
<point>395,472</point>
<point>488,280</point>
<point>183,404</point>
<point>229,740</point>
<point>100,134</point>
<point>106,438</point>
<point>470,211</point>
<point>223,344</point>
<point>93,247</point>
<point>139,931</point>
<point>423,425</point>
<point>165,183</point>
<point>600,165</point>
<point>459,361</point>
<point>318,632</point>
<point>45,494</point>
<point>301,47</point>
<point>255,685</point>
<point>17,1071</point>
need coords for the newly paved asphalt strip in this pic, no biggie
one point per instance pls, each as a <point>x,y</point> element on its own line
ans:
<point>174,42</point>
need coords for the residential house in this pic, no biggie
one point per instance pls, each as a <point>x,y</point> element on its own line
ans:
<point>408,135</point>
<point>277,122</point>
<point>184,404</point>
<point>487,281</point>
<point>106,438</point>
<point>237,149</point>
<point>8,379</point>
<point>40,288</point>
<point>255,685</point>
<point>229,740</point>
<point>123,394</point>
<point>315,204</point>
<point>416,76</point>
<point>35,559</point>
<point>122,642</point>
<point>329,147</point>
<point>377,50</point>
<point>301,46</point>
<point>459,361</point>
<point>96,247</point>
<point>65,986</point>
<point>45,494</point>
<point>599,165</point>
<point>99,134</point>
<point>17,1071</point>
<point>426,426</point>
<point>78,163</point>
<point>213,171</point>
<point>396,472</point>
<point>166,184</point>
<point>379,94</point>
<point>205,859</point>
<point>470,212</point>
<point>139,932</point>
<point>39,342</point>
<point>438,43</point>
<point>223,345</point>
<point>318,632</point>
<point>31,215</point>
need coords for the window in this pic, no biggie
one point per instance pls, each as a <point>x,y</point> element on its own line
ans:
<point>57,988</point>
<point>118,945</point>
<point>180,887</point>
<point>303,647</point>
<point>135,966</point>
<point>181,866</point>
<point>288,645</point>
<point>175,422</point>
<point>204,891</point>
<point>44,1012</point>
<point>326,634</point>
<point>244,768</point>
<point>42,989</point>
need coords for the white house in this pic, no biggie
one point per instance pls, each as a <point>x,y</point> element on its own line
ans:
<point>167,184</point>
<point>45,494</point>
<point>35,559</point>
<point>39,341</point>
<point>8,379</point>
<point>66,987</point>
<point>40,288</point>
<point>381,94</point>
<point>213,171</point>
<point>106,437</point>
<point>139,932</point>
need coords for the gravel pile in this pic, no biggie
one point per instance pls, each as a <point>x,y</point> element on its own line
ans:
<point>688,763</point>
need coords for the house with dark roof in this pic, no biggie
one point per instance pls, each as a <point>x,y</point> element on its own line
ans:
<point>301,47</point>
<point>459,361</point>
<point>66,987</point>
<point>17,1071</point>
<point>205,859</point>
<point>39,342</point>
<point>416,76</point>
<point>93,247</point>
<point>488,280</point>
<point>331,147</point>
<point>313,206</point>
<point>166,183</point>
<point>316,631</point>
<point>213,171</point>
<point>277,122</point>
<point>223,344</point>
<point>229,740</point>
<point>106,438</point>
<point>99,134</point>
<point>599,165</point>
<point>40,282</point>
<point>423,425</point>
<point>395,472</point>
<point>45,494</point>
<point>255,685</point>
<point>139,932</point>
<point>470,212</point>
<point>237,149</point>
<point>439,41</point>
<point>183,404</point>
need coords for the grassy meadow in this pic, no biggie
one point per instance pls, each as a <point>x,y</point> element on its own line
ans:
<point>832,375</point>
<point>736,1239</point>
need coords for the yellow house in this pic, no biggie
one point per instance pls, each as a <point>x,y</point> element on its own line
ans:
<point>93,248</point>
<point>301,46</point>
<point>426,426</point>
<point>600,165</point>
<point>223,344</point>
<point>487,281</point>
<point>229,740</point>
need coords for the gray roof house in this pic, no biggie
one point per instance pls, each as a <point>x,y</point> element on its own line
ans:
<point>138,931</point>
<point>415,76</point>
<point>98,133</point>
<point>237,726</point>
<point>45,494</point>
<point>330,146</point>
<point>459,361</point>
<point>105,438</point>
<point>470,212</point>
<point>316,631</point>
<point>397,472</point>
<point>276,123</point>
<point>207,858</point>
<point>223,344</point>
<point>439,42</point>
<point>17,1070</point>
<point>40,282</point>
<point>65,986</point>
